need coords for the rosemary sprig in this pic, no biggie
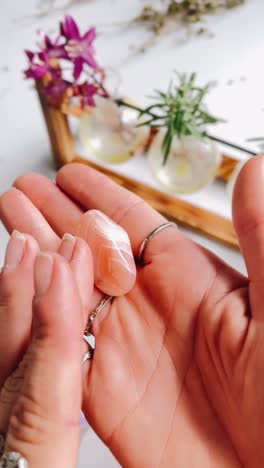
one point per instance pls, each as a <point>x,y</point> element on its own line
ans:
<point>180,111</point>
<point>123,102</point>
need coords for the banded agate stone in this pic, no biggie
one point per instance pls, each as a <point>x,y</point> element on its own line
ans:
<point>114,265</point>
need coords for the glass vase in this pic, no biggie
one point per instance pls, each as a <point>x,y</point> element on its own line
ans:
<point>110,133</point>
<point>192,163</point>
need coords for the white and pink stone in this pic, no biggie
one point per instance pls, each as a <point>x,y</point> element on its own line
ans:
<point>114,265</point>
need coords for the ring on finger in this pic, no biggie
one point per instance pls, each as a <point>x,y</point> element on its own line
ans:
<point>13,460</point>
<point>144,244</point>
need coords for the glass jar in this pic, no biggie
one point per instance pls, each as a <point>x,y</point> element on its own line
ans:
<point>192,163</point>
<point>110,133</point>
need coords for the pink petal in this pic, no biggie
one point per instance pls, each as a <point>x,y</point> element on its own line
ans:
<point>48,42</point>
<point>78,66</point>
<point>70,29</point>
<point>29,54</point>
<point>43,56</point>
<point>58,52</point>
<point>28,73</point>
<point>88,58</point>
<point>90,101</point>
<point>90,35</point>
<point>55,90</point>
<point>91,89</point>
<point>35,72</point>
<point>59,41</point>
<point>88,91</point>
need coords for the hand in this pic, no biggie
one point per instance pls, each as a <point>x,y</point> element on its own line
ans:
<point>41,349</point>
<point>176,378</point>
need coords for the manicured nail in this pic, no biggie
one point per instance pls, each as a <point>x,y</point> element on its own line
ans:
<point>67,246</point>
<point>43,273</point>
<point>15,250</point>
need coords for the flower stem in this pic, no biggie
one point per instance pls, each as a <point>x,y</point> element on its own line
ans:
<point>231,145</point>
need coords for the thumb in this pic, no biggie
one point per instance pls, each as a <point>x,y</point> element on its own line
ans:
<point>44,424</point>
<point>248,217</point>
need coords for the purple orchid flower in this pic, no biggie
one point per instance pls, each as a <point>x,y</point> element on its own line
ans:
<point>79,48</point>
<point>88,92</point>
<point>38,64</point>
<point>70,45</point>
<point>54,49</point>
<point>55,90</point>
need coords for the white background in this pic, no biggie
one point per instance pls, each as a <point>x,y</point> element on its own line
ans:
<point>231,53</point>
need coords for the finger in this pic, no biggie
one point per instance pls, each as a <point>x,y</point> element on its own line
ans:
<point>48,408</point>
<point>16,293</point>
<point>62,214</point>
<point>18,212</point>
<point>248,216</point>
<point>78,254</point>
<point>94,190</point>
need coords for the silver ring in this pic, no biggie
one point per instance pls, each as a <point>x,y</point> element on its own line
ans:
<point>145,242</point>
<point>13,460</point>
<point>106,299</point>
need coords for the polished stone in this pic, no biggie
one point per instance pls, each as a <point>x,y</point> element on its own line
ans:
<point>114,265</point>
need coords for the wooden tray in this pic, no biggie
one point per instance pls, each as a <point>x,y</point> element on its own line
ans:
<point>182,212</point>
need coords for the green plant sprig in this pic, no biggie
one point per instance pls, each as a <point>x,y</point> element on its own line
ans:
<point>180,110</point>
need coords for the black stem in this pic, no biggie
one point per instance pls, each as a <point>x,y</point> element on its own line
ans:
<point>122,102</point>
<point>100,85</point>
<point>232,145</point>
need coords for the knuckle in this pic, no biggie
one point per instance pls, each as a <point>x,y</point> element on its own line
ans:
<point>125,209</point>
<point>8,291</point>
<point>27,423</point>
<point>37,229</point>
<point>10,390</point>
<point>13,384</point>
<point>6,295</point>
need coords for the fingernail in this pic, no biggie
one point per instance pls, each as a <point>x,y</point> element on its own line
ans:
<point>43,273</point>
<point>67,246</point>
<point>15,250</point>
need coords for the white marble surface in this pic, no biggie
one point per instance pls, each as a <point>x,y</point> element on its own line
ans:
<point>231,54</point>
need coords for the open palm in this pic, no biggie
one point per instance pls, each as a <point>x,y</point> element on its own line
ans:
<point>176,379</point>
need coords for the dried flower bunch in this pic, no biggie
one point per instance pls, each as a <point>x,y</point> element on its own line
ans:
<point>180,110</point>
<point>188,11</point>
<point>67,65</point>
